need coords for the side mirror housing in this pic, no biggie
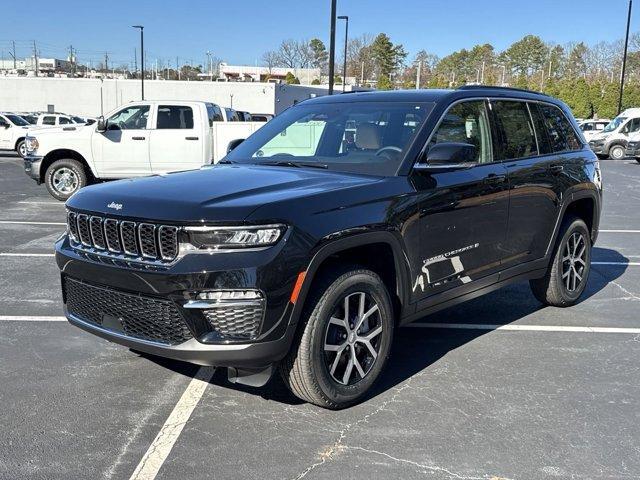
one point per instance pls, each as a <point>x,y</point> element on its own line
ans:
<point>451,153</point>
<point>101,124</point>
<point>7,126</point>
<point>234,143</point>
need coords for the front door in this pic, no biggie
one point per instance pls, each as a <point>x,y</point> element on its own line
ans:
<point>5,133</point>
<point>463,212</point>
<point>123,149</point>
<point>175,142</point>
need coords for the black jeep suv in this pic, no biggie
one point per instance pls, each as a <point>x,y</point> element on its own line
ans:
<point>338,221</point>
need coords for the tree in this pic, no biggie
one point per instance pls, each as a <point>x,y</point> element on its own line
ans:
<point>527,55</point>
<point>384,83</point>
<point>270,60</point>
<point>289,54</point>
<point>387,56</point>
<point>360,63</point>
<point>320,55</point>
<point>291,79</point>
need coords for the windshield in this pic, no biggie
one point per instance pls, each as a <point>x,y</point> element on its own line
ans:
<point>77,120</point>
<point>18,121</point>
<point>358,137</point>
<point>615,123</point>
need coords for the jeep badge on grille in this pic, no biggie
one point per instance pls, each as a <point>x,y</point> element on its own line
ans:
<point>115,206</point>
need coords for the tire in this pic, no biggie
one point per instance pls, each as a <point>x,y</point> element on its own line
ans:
<point>560,287</point>
<point>64,178</point>
<point>638,159</point>
<point>21,148</point>
<point>616,152</point>
<point>316,366</point>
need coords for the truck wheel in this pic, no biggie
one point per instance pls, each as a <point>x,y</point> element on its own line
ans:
<point>21,148</point>
<point>568,272</point>
<point>64,178</point>
<point>345,342</point>
<point>616,152</point>
<point>638,159</point>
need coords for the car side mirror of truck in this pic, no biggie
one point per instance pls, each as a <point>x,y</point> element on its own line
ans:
<point>101,124</point>
<point>448,156</point>
<point>234,143</point>
<point>6,126</point>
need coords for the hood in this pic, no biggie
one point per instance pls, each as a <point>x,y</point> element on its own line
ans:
<point>597,136</point>
<point>224,193</point>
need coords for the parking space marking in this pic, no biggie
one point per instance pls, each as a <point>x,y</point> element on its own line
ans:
<point>528,328</point>
<point>10,254</point>
<point>161,446</point>
<point>30,202</point>
<point>27,222</point>
<point>619,231</point>
<point>31,318</point>
<point>633,264</point>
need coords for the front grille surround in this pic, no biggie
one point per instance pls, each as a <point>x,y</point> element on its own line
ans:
<point>123,239</point>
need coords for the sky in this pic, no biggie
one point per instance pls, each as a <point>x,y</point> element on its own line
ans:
<point>240,31</point>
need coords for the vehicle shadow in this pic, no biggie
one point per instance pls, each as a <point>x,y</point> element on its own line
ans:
<point>415,349</point>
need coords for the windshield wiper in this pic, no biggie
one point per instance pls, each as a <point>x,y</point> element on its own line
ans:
<point>289,163</point>
<point>226,161</point>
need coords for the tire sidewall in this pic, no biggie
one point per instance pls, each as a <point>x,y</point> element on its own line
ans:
<point>19,147</point>
<point>72,165</point>
<point>616,148</point>
<point>575,226</point>
<point>359,282</point>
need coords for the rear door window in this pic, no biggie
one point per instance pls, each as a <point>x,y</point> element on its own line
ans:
<point>544,144</point>
<point>64,121</point>
<point>562,136</point>
<point>175,117</point>
<point>515,130</point>
<point>49,121</point>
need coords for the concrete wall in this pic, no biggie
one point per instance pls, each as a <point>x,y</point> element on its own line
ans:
<point>90,97</point>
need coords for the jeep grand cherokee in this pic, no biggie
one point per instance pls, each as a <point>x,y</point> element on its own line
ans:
<point>341,219</point>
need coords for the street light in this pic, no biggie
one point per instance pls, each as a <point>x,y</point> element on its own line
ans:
<point>141,54</point>
<point>332,46</point>
<point>346,35</point>
<point>624,59</point>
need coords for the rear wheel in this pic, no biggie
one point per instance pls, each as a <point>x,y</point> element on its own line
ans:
<point>346,341</point>
<point>568,273</point>
<point>616,152</point>
<point>64,178</point>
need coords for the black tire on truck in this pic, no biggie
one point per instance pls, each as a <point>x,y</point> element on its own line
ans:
<point>21,148</point>
<point>616,152</point>
<point>340,351</point>
<point>65,177</point>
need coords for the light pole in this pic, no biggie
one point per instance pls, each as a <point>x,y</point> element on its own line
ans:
<point>624,59</point>
<point>346,36</point>
<point>332,46</point>
<point>141,54</point>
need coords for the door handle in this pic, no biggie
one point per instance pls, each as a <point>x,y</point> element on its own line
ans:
<point>556,168</point>
<point>191,138</point>
<point>494,178</point>
<point>137,138</point>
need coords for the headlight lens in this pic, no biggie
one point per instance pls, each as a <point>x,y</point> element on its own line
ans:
<point>205,238</point>
<point>31,144</point>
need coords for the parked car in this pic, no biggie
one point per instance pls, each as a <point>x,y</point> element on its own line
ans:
<point>13,132</point>
<point>32,119</point>
<point>308,262</point>
<point>244,116</point>
<point>633,147</point>
<point>592,127</point>
<point>141,138</point>
<point>612,141</point>
<point>55,119</point>
<point>230,115</point>
<point>261,117</point>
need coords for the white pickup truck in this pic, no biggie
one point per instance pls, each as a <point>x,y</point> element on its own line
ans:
<point>13,131</point>
<point>141,138</point>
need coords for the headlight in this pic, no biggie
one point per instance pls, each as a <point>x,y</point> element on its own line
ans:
<point>31,144</point>
<point>208,238</point>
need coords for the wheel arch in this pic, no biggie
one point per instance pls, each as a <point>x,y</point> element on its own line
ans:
<point>20,139</point>
<point>584,204</point>
<point>369,250</point>
<point>59,154</point>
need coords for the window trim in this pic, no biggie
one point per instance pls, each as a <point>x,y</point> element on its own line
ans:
<point>172,105</point>
<point>149,106</point>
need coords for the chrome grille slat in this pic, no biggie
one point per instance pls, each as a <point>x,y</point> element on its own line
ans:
<point>145,242</point>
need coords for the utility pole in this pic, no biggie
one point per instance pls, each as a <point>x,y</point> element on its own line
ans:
<point>418,71</point>
<point>624,59</point>
<point>13,45</point>
<point>346,36</point>
<point>332,46</point>
<point>106,61</point>
<point>141,28</point>
<point>35,56</point>
<point>72,60</point>
<point>135,61</point>
<point>177,68</point>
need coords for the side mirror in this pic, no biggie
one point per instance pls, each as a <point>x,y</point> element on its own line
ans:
<point>234,143</point>
<point>6,126</point>
<point>101,124</point>
<point>451,154</point>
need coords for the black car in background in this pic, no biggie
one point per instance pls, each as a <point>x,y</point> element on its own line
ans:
<point>341,219</point>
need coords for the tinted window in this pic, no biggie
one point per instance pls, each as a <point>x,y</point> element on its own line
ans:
<point>64,121</point>
<point>544,145</point>
<point>19,121</point>
<point>49,121</point>
<point>633,126</point>
<point>586,127</point>
<point>130,118</point>
<point>466,122</point>
<point>3,122</point>
<point>561,133</point>
<point>516,130</point>
<point>174,117</point>
<point>214,113</point>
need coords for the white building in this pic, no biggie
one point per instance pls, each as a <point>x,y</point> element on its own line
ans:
<point>44,65</point>
<point>247,73</point>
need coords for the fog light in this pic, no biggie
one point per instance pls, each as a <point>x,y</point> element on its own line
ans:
<point>230,295</point>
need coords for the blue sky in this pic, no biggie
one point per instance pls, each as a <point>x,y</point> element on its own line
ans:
<point>239,31</point>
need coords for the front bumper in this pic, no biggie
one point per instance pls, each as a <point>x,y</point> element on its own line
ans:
<point>633,150</point>
<point>176,285</point>
<point>598,148</point>
<point>32,165</point>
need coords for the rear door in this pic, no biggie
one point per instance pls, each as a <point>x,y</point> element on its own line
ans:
<point>177,139</point>
<point>463,212</point>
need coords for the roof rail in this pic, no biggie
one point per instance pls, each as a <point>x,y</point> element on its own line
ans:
<point>490,87</point>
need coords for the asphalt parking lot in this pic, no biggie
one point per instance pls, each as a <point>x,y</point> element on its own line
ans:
<point>495,388</point>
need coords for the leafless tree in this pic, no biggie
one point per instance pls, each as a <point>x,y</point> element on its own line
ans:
<point>288,54</point>
<point>270,60</point>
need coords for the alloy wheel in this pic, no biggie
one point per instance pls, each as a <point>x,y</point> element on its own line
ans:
<point>65,180</point>
<point>574,263</point>
<point>352,338</point>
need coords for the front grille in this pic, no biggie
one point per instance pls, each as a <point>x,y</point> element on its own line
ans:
<point>136,316</point>
<point>130,239</point>
<point>236,322</point>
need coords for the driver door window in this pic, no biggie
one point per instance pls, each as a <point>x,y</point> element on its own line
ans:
<point>130,118</point>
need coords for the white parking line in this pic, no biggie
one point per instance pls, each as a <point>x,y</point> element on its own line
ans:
<point>31,318</point>
<point>619,231</point>
<point>11,254</point>
<point>26,222</point>
<point>529,328</point>
<point>633,264</point>
<point>29,202</point>
<point>161,446</point>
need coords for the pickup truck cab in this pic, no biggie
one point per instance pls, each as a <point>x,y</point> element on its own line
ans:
<point>590,128</point>
<point>613,139</point>
<point>13,131</point>
<point>138,139</point>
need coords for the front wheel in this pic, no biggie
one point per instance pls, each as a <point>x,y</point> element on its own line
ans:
<point>64,178</point>
<point>346,341</point>
<point>568,273</point>
<point>21,148</point>
<point>616,152</point>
